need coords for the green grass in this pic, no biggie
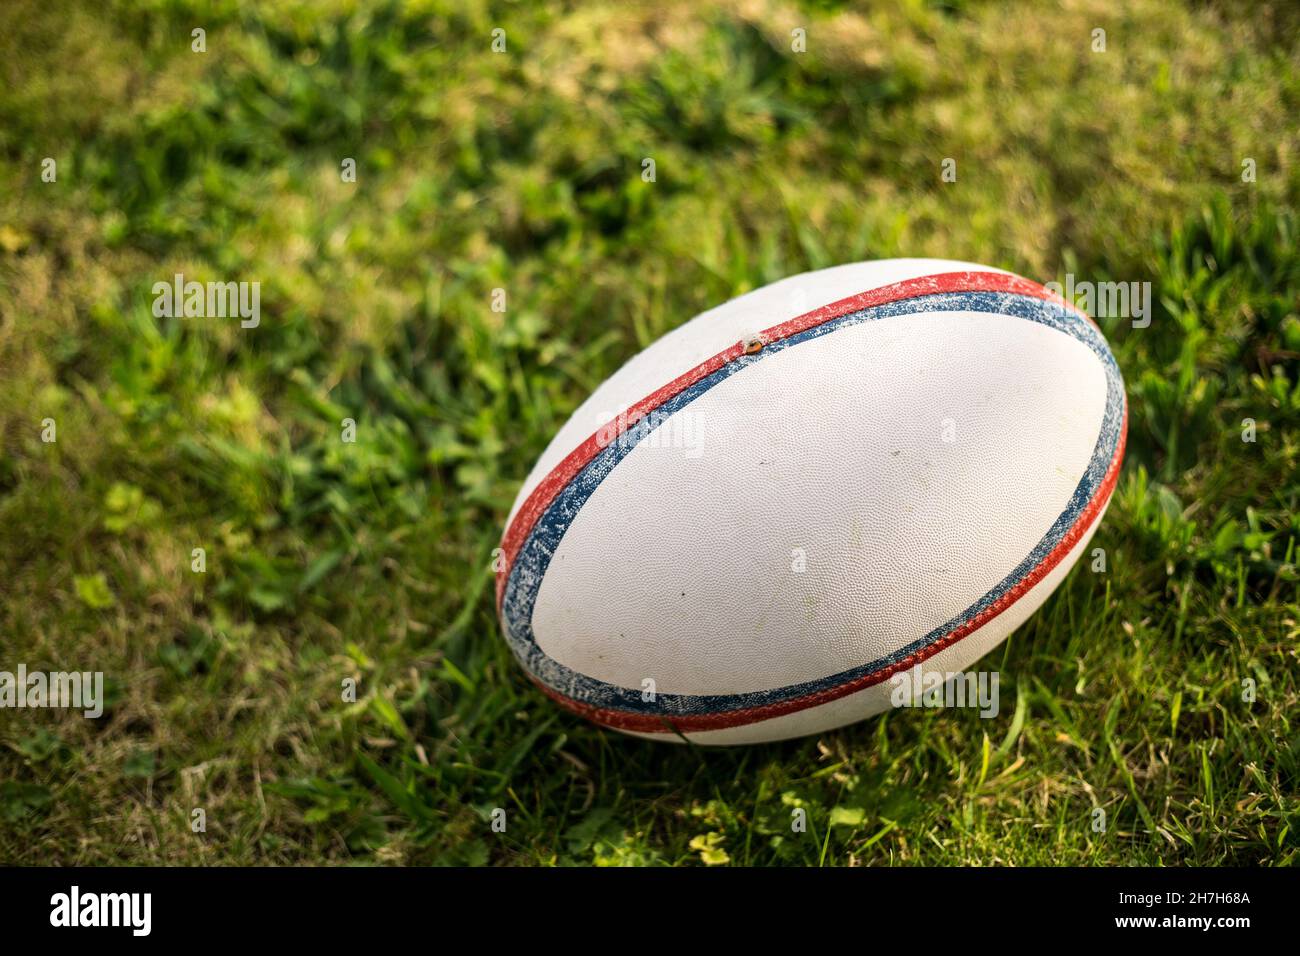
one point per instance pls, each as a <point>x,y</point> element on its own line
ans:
<point>371,561</point>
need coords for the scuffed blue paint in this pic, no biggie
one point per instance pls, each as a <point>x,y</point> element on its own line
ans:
<point>535,554</point>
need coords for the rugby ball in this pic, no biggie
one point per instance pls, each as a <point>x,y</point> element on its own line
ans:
<point>846,475</point>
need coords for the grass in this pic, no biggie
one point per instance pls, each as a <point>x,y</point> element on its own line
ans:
<point>371,561</point>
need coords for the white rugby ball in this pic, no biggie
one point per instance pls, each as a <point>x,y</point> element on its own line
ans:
<point>845,475</point>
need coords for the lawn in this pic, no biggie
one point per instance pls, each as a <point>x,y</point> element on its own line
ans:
<point>1164,691</point>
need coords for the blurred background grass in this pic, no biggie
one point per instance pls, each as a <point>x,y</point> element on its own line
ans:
<point>522,170</point>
